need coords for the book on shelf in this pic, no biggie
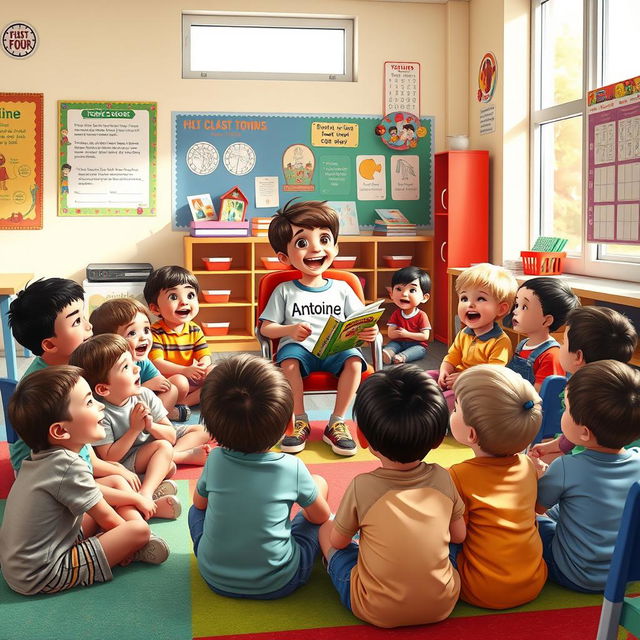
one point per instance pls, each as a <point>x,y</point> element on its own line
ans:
<point>219,233</point>
<point>392,215</point>
<point>216,224</point>
<point>339,335</point>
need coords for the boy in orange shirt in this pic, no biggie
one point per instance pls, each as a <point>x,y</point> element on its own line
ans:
<point>497,413</point>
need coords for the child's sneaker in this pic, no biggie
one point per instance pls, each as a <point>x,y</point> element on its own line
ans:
<point>156,551</point>
<point>298,439</point>
<point>387,356</point>
<point>337,435</point>
<point>165,488</point>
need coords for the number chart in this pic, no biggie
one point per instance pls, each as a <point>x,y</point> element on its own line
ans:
<point>401,87</point>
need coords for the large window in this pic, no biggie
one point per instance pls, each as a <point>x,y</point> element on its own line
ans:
<point>578,45</point>
<point>245,46</point>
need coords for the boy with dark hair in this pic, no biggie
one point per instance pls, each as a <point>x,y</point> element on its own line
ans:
<point>585,494</point>
<point>592,334</point>
<point>47,317</point>
<point>48,537</point>
<point>497,414</point>
<point>409,327</point>
<point>304,235</point>
<point>407,511</point>
<point>180,350</point>
<point>541,307</point>
<point>245,542</point>
<point>129,318</point>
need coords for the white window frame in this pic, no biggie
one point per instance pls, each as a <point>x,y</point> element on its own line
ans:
<point>587,263</point>
<point>345,23</point>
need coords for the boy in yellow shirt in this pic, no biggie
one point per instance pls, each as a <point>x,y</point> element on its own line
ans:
<point>485,295</point>
<point>497,413</point>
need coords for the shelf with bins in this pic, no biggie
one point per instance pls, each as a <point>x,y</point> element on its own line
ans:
<point>247,268</point>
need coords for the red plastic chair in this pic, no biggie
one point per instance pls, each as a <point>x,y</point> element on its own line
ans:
<point>318,381</point>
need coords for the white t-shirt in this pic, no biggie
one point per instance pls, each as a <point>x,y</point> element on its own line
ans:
<point>293,302</point>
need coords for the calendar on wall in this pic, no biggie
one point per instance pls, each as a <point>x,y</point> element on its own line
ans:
<point>613,193</point>
<point>401,87</point>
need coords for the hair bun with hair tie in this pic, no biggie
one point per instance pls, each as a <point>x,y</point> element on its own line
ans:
<point>528,404</point>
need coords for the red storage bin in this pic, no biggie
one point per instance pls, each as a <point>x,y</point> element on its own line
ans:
<point>541,263</point>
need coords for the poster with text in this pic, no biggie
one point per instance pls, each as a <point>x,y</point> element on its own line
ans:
<point>21,160</point>
<point>107,158</point>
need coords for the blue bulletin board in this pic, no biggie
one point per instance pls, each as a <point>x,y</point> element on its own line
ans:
<point>275,157</point>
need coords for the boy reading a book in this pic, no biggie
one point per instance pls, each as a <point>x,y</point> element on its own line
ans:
<point>304,235</point>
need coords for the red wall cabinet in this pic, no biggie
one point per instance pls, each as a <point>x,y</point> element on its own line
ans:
<point>461,227</point>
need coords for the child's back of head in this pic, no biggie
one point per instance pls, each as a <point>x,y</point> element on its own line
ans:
<point>97,356</point>
<point>115,313</point>
<point>40,400</point>
<point>33,313</point>
<point>308,214</point>
<point>497,281</point>
<point>600,333</point>
<point>246,403</point>
<point>402,413</point>
<point>604,396</point>
<point>503,408</point>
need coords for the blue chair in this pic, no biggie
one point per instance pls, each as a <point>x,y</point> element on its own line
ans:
<point>7,387</point>
<point>625,567</point>
<point>552,407</point>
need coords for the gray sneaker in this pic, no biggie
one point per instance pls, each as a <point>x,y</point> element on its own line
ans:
<point>165,488</point>
<point>156,551</point>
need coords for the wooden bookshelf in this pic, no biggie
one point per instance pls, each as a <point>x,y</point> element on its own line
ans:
<point>247,269</point>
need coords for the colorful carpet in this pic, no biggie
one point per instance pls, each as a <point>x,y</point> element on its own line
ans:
<point>172,602</point>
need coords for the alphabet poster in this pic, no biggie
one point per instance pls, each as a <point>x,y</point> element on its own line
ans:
<point>107,158</point>
<point>313,157</point>
<point>21,160</point>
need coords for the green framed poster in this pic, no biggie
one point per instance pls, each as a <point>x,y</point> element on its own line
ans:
<point>107,158</point>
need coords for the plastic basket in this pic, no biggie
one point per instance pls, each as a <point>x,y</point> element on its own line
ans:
<point>541,263</point>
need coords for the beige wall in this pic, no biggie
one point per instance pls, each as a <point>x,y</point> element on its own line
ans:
<point>131,50</point>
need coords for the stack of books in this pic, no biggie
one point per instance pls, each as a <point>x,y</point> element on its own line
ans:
<point>216,228</point>
<point>393,223</point>
<point>549,244</point>
<point>260,226</point>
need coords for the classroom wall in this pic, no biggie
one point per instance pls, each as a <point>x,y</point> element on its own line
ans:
<point>124,50</point>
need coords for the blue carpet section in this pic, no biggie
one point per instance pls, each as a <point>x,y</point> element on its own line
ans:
<point>142,601</point>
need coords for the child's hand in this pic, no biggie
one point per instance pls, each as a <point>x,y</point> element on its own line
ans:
<point>540,466</point>
<point>450,379</point>
<point>140,418</point>
<point>195,372</point>
<point>545,448</point>
<point>131,477</point>
<point>402,334</point>
<point>158,384</point>
<point>146,506</point>
<point>300,332</point>
<point>369,335</point>
<point>442,380</point>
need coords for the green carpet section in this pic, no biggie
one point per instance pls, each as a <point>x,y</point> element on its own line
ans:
<point>142,601</point>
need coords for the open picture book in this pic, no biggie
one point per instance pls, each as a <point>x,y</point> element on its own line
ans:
<point>340,335</point>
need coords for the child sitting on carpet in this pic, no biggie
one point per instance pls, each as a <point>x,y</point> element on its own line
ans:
<point>138,433</point>
<point>591,334</point>
<point>49,538</point>
<point>128,318</point>
<point>407,511</point>
<point>246,544</point>
<point>585,494</point>
<point>497,413</point>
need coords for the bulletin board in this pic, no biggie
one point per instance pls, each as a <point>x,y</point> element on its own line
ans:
<point>613,192</point>
<point>275,157</point>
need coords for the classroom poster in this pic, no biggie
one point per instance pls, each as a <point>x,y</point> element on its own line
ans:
<point>107,158</point>
<point>613,162</point>
<point>273,158</point>
<point>21,160</point>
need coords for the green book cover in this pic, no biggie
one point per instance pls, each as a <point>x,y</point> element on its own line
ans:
<point>544,243</point>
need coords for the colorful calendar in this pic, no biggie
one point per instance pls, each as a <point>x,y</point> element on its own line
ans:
<point>401,87</point>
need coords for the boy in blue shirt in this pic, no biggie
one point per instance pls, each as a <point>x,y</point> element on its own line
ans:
<point>246,544</point>
<point>304,235</point>
<point>585,494</point>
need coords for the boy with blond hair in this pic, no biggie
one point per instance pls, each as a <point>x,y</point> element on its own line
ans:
<point>138,433</point>
<point>130,319</point>
<point>49,538</point>
<point>584,495</point>
<point>304,235</point>
<point>246,544</point>
<point>497,413</point>
<point>407,511</point>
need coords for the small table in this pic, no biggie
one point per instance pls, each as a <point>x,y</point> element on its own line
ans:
<point>10,284</point>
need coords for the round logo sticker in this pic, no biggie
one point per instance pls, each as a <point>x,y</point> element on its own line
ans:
<point>19,40</point>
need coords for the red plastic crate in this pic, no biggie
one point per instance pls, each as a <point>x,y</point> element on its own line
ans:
<point>541,263</point>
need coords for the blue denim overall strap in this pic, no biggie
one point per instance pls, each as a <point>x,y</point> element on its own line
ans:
<point>524,366</point>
